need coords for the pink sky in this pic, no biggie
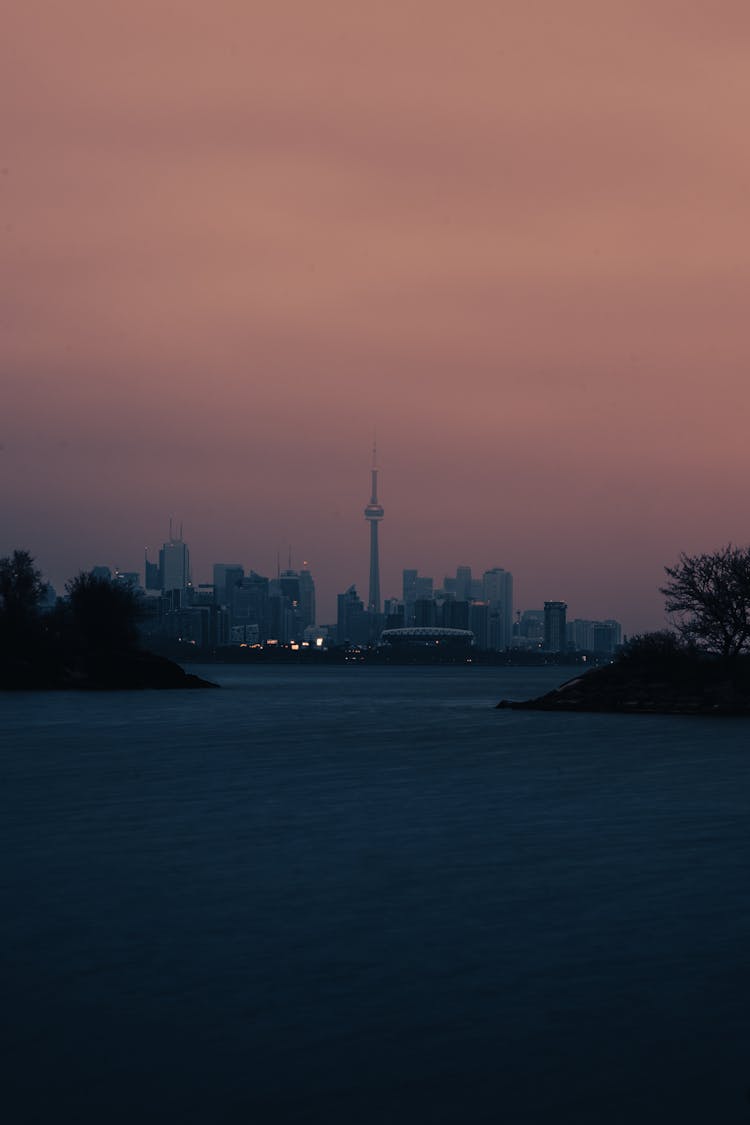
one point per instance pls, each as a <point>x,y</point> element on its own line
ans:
<point>513,237</point>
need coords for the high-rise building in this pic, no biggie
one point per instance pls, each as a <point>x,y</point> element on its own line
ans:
<point>555,639</point>
<point>593,636</point>
<point>479,623</point>
<point>282,609</point>
<point>307,598</point>
<point>463,583</point>
<point>226,576</point>
<point>455,614</point>
<point>393,611</point>
<point>423,588</point>
<point>352,618</point>
<point>299,588</point>
<point>374,514</point>
<point>497,591</point>
<point>152,576</point>
<point>250,604</point>
<point>409,585</point>
<point>174,563</point>
<point>531,625</point>
<point>615,631</point>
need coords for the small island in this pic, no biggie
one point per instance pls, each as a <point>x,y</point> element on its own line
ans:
<point>700,668</point>
<point>87,642</point>
<point>654,675</point>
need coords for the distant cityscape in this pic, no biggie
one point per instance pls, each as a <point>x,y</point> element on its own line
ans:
<point>246,609</point>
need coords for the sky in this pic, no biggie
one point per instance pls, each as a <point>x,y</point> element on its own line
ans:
<point>238,239</point>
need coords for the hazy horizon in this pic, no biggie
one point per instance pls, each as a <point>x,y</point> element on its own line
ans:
<point>237,241</point>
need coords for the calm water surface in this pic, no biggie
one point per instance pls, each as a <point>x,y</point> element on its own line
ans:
<point>364,895</point>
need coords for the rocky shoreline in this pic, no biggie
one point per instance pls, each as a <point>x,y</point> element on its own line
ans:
<point>695,688</point>
<point>112,671</point>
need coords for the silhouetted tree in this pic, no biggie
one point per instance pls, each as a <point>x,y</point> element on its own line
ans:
<point>104,613</point>
<point>21,593</point>
<point>709,595</point>
<point>654,647</point>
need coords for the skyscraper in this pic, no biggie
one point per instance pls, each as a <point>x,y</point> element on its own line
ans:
<point>373,515</point>
<point>554,626</point>
<point>174,563</point>
<point>226,576</point>
<point>463,583</point>
<point>497,591</point>
<point>352,620</point>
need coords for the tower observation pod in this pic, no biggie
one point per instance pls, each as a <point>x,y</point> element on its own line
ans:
<point>374,514</point>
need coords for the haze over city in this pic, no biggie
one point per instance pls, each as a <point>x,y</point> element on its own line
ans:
<point>235,243</point>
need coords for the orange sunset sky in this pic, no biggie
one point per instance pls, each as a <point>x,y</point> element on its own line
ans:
<point>512,237</point>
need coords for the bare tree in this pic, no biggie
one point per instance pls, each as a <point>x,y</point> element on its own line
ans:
<point>709,596</point>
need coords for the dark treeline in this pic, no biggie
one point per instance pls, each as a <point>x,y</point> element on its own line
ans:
<point>88,640</point>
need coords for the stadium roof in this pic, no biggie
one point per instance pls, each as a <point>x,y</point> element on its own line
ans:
<point>426,633</point>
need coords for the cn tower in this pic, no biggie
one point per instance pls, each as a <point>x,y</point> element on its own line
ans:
<point>374,514</point>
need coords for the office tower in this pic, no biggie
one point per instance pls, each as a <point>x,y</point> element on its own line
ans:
<point>423,588</point>
<point>282,610</point>
<point>497,591</point>
<point>555,639</point>
<point>455,614</point>
<point>174,563</point>
<point>593,636</point>
<point>226,576</point>
<point>288,582</point>
<point>299,588</point>
<point>479,623</point>
<point>373,515</point>
<point>250,604</point>
<point>393,611</point>
<point>152,576</point>
<point>352,618</point>
<point>615,632</point>
<point>463,584</point>
<point>307,598</point>
<point>409,582</point>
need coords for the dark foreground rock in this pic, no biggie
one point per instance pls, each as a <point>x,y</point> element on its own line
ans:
<point>112,671</point>
<point>679,687</point>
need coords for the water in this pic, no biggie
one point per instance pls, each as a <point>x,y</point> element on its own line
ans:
<point>363,895</point>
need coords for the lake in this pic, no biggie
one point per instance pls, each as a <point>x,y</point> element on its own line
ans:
<point>363,895</point>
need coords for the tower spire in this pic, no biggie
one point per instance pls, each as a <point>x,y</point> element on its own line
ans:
<point>374,514</point>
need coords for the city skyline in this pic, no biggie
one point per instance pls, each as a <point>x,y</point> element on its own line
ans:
<point>174,571</point>
<point>239,609</point>
<point>234,243</point>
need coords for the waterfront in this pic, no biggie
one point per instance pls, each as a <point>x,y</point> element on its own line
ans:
<point>364,895</point>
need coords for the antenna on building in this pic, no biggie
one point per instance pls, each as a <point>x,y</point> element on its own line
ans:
<point>170,529</point>
<point>290,556</point>
<point>278,564</point>
<point>180,531</point>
